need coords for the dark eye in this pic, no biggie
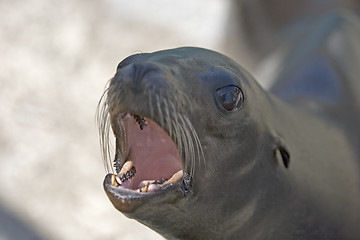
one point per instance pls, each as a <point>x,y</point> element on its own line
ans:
<point>230,98</point>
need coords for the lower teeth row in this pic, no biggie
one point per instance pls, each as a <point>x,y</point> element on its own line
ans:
<point>162,181</point>
<point>152,183</point>
<point>131,173</point>
<point>116,181</point>
<point>146,185</point>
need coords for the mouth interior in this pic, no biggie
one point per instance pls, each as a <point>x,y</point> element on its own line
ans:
<point>151,157</point>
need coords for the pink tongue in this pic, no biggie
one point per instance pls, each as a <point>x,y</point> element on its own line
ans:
<point>154,154</point>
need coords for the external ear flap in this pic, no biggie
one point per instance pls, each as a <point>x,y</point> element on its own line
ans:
<point>281,152</point>
<point>282,156</point>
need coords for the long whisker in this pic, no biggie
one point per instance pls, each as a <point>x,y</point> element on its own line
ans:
<point>198,144</point>
<point>159,110</point>
<point>189,146</point>
<point>103,121</point>
<point>172,113</point>
<point>167,116</point>
<point>176,126</point>
<point>150,103</point>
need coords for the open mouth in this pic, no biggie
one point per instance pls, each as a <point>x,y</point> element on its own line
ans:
<point>146,159</point>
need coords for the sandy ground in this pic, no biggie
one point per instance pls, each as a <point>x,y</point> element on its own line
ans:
<point>55,59</point>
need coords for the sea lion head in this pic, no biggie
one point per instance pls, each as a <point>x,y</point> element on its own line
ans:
<point>192,142</point>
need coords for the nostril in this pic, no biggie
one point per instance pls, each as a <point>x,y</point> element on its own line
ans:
<point>130,77</point>
<point>131,60</point>
<point>139,76</point>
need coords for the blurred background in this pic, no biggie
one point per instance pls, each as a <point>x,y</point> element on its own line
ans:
<point>55,60</point>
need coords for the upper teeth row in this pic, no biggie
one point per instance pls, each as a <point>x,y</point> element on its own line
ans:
<point>129,174</point>
<point>141,121</point>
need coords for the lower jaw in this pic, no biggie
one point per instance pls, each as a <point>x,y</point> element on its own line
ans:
<point>131,202</point>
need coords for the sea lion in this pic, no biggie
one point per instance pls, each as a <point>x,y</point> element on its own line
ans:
<point>204,152</point>
<point>255,28</point>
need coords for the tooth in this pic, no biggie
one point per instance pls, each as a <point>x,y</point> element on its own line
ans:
<point>145,182</point>
<point>123,178</point>
<point>145,188</point>
<point>127,171</point>
<point>141,121</point>
<point>114,183</point>
<point>143,124</point>
<point>128,165</point>
<point>175,178</point>
<point>118,180</point>
<point>162,181</point>
<point>153,188</point>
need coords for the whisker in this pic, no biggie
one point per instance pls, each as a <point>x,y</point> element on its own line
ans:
<point>150,103</point>
<point>103,121</point>
<point>186,103</point>
<point>178,139</point>
<point>189,149</point>
<point>185,142</point>
<point>176,126</point>
<point>167,116</point>
<point>198,144</point>
<point>172,112</point>
<point>161,116</point>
